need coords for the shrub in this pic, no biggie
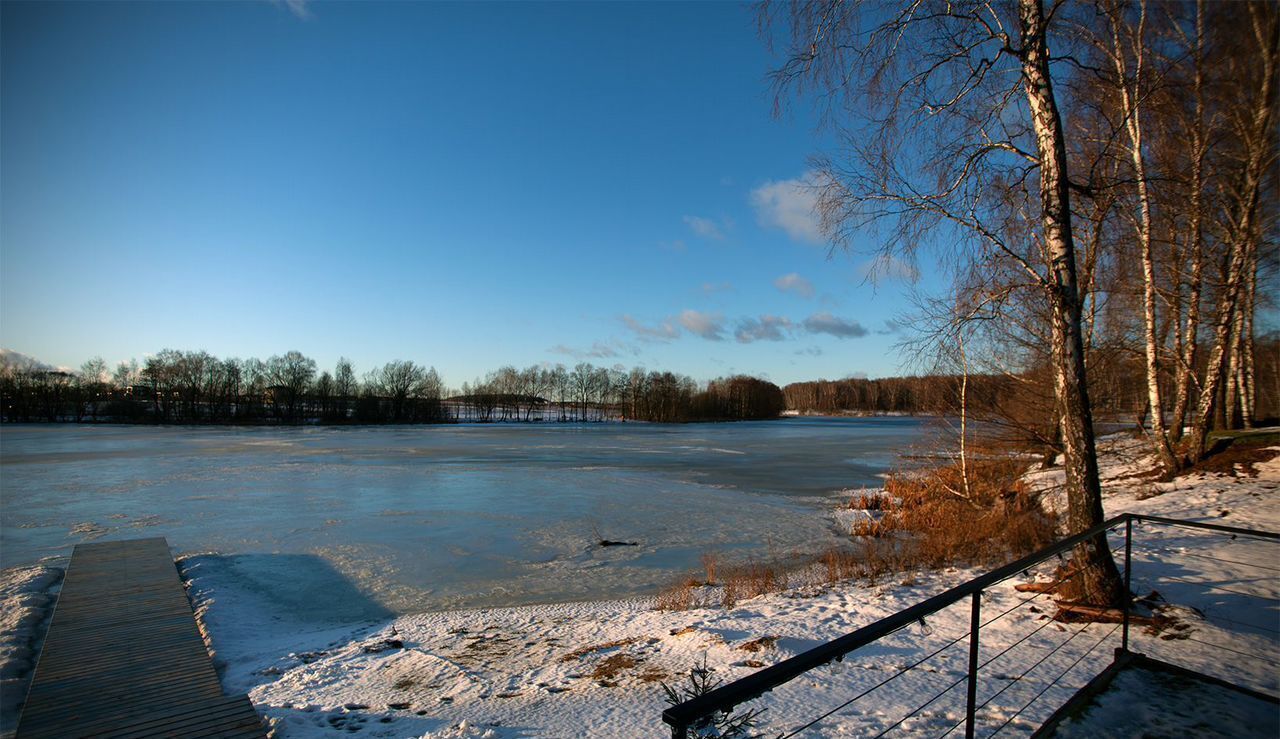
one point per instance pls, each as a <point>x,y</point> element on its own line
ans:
<point>723,724</point>
<point>936,524</point>
<point>749,580</point>
<point>710,561</point>
<point>676,597</point>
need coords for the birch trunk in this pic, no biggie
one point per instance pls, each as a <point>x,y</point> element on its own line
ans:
<point>1096,579</point>
<point>1244,229</point>
<point>1248,392</point>
<point>1130,99</point>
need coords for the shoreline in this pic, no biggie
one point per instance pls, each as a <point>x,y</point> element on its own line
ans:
<point>595,667</point>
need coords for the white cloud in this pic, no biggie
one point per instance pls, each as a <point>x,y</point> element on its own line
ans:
<point>841,328</point>
<point>791,206</point>
<point>707,325</point>
<point>665,331</point>
<point>9,359</point>
<point>796,284</point>
<point>704,227</point>
<point>764,328</point>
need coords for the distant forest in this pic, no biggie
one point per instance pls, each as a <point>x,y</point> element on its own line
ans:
<point>194,387</point>
<point>1022,402</point>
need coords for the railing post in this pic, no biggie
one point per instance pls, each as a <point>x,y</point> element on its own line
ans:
<point>679,732</point>
<point>975,621</point>
<point>1128,591</point>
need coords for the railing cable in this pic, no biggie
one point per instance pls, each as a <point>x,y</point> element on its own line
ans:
<point>1250,655</point>
<point>1229,561</point>
<point>921,707</point>
<point>880,684</point>
<point>1061,675</point>
<point>1028,671</point>
<point>1219,587</point>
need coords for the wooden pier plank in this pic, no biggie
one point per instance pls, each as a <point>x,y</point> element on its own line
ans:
<point>124,657</point>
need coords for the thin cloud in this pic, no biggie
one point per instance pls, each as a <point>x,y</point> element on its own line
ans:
<point>664,331</point>
<point>790,205</point>
<point>794,283</point>
<point>891,327</point>
<point>598,350</point>
<point>711,288</point>
<point>297,7</point>
<point>826,323</point>
<point>887,266</point>
<point>764,328</point>
<point>709,326</point>
<point>704,227</point>
<point>813,351</point>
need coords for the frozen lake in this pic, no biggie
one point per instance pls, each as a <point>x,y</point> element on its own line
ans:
<point>430,517</point>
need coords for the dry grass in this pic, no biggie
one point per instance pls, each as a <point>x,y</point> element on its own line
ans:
<point>759,645</point>
<point>1239,457</point>
<point>613,665</point>
<point>872,528</point>
<point>873,502</point>
<point>749,580</point>
<point>926,522</point>
<point>676,597</point>
<point>935,523</point>
<point>584,651</point>
<point>710,563</point>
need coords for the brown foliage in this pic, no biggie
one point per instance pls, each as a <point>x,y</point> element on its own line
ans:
<point>677,597</point>
<point>749,580</point>
<point>936,524</point>
<point>1239,457</point>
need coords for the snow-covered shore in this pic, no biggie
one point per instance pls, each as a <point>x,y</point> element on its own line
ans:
<point>27,596</point>
<point>596,668</point>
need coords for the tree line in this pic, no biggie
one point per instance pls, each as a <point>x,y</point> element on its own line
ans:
<point>1020,405</point>
<point>194,387</point>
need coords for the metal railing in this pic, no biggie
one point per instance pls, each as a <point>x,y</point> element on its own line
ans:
<point>699,711</point>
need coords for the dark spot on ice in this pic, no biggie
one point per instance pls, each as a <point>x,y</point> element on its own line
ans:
<point>611,543</point>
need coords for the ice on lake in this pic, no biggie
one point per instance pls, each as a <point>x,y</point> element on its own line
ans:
<point>431,517</point>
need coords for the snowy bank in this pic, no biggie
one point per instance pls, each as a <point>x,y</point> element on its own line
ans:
<point>595,669</point>
<point>27,596</point>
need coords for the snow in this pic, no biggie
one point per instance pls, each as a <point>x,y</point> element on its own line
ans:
<point>1142,702</point>
<point>27,597</point>
<point>596,668</point>
<point>319,664</point>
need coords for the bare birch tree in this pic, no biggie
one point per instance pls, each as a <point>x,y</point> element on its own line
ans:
<point>1252,123</point>
<point>949,115</point>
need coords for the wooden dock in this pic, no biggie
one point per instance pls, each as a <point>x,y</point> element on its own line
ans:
<point>124,657</point>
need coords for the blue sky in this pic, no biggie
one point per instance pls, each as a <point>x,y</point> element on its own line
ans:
<point>463,185</point>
